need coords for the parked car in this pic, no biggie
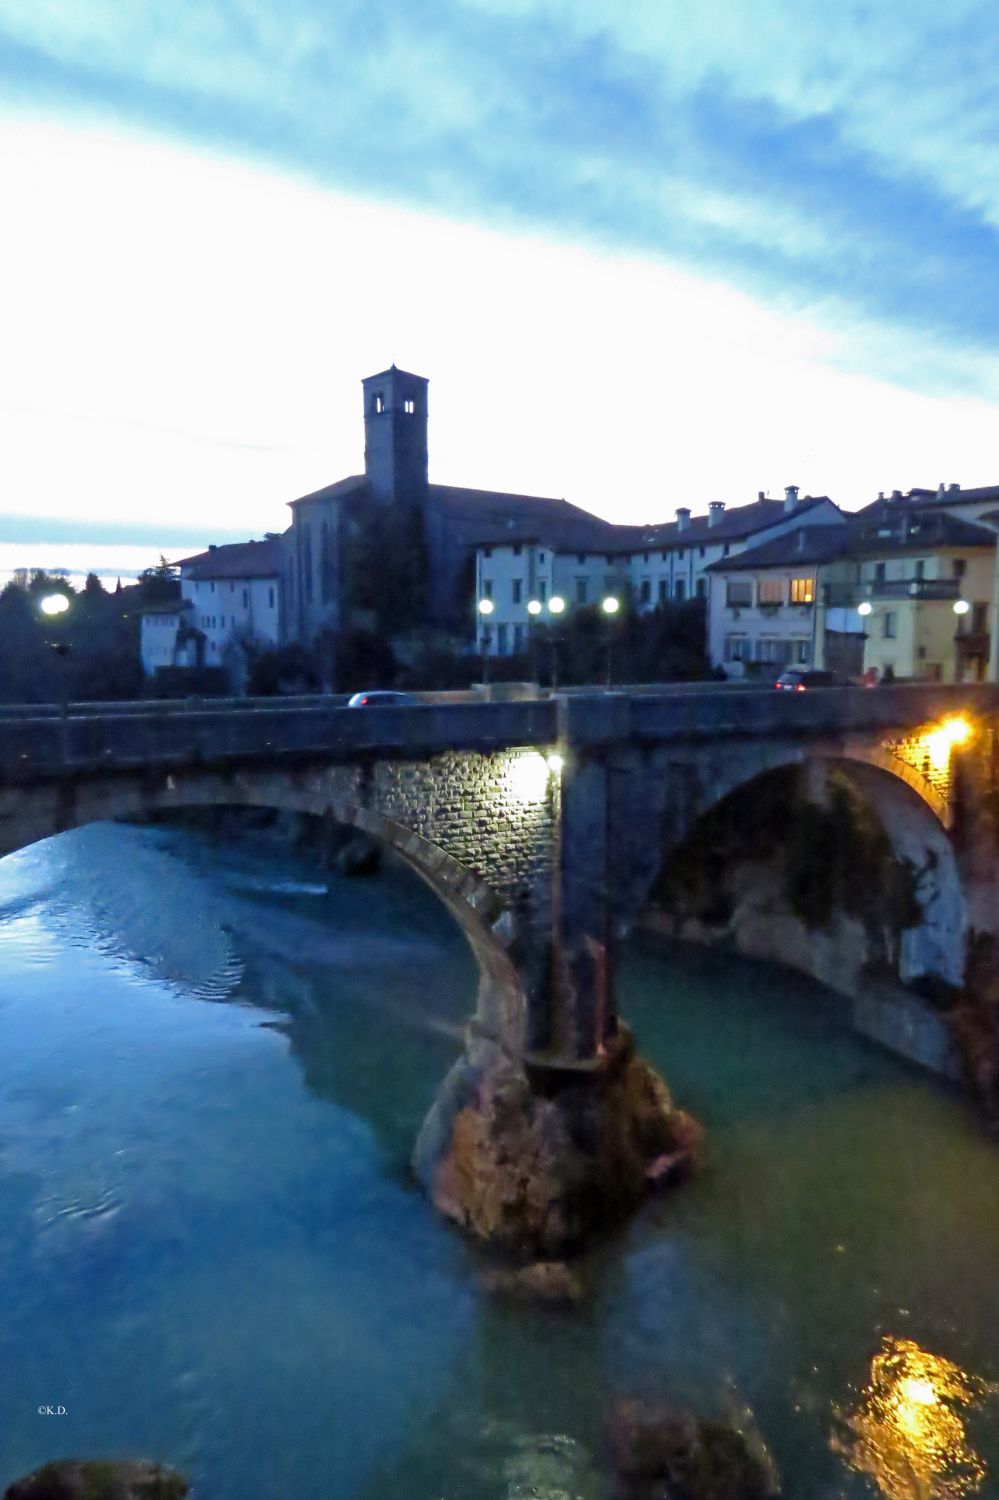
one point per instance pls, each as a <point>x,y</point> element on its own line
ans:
<point>382,698</point>
<point>799,679</point>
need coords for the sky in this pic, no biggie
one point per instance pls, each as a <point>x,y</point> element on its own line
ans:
<point>650,254</point>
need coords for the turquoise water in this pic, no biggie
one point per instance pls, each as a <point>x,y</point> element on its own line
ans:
<point>213,1066</point>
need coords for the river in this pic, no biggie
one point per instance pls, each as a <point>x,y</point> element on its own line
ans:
<point>214,1062</point>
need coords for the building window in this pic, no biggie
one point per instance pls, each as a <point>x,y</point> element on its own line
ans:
<point>518,639</point>
<point>663,590</point>
<point>979,619</point>
<point>681,554</point>
<point>307,565</point>
<point>645,557</point>
<point>739,593</point>
<point>700,551</point>
<point>580,590</point>
<point>879,572</point>
<point>270,598</point>
<point>501,632</point>
<point>664,556</point>
<point>409,407</point>
<point>212,588</point>
<point>920,567</point>
<point>542,590</point>
<point>610,559</point>
<point>518,549</point>
<point>702,588</point>
<point>737,648</point>
<point>679,589</point>
<point>960,567</point>
<point>726,550</point>
<point>541,559</point>
<point>487,588</point>
<point>517,588</point>
<point>890,622</point>
<point>232,588</point>
<point>803,651</point>
<point>582,557</point>
<point>645,593</point>
<point>487,552</point>
<point>770,591</point>
<point>378,402</point>
<point>802,590</point>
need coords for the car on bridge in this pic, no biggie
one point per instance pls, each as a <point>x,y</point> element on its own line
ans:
<point>797,681</point>
<point>382,698</point>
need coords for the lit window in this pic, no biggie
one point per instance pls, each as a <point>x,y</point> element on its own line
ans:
<point>409,407</point>
<point>771,591</point>
<point>802,590</point>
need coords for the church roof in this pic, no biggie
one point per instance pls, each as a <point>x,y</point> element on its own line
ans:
<point>498,518</point>
<point>334,491</point>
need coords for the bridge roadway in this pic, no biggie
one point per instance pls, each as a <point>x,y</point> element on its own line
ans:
<point>37,743</point>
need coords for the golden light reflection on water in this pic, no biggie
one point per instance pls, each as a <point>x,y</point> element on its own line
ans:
<point>907,1430</point>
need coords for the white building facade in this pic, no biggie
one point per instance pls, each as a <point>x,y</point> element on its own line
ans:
<point>230,596</point>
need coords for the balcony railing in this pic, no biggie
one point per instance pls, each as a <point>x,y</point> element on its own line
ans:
<point>849,595</point>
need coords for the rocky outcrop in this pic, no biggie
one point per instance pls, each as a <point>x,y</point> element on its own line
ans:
<point>551,1281</point>
<point>664,1452</point>
<point>97,1479</point>
<point>535,1161</point>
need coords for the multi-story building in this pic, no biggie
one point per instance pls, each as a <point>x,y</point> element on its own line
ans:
<point>229,594</point>
<point>874,594</point>
<point>585,560</point>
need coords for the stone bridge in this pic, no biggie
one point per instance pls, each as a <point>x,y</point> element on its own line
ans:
<point>542,826</point>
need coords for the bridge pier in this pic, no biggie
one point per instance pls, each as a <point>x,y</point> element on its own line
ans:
<point>534,1147</point>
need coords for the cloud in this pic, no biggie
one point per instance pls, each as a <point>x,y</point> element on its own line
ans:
<point>844,158</point>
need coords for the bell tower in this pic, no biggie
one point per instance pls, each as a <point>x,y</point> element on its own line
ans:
<point>395,436</point>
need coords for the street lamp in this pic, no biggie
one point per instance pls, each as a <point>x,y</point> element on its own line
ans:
<point>864,608</point>
<point>961,606</point>
<point>610,606</point>
<point>534,607</point>
<point>556,607</point>
<point>486,608</point>
<point>53,607</point>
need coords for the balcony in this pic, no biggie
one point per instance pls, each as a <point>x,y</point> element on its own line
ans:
<point>849,595</point>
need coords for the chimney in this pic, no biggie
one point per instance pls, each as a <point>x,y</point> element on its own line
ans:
<point>760,495</point>
<point>896,494</point>
<point>715,510</point>
<point>682,518</point>
<point>790,496</point>
<point>941,491</point>
<point>881,494</point>
<point>953,489</point>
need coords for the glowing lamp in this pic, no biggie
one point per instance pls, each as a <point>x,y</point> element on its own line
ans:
<point>534,606</point>
<point>555,762</point>
<point>54,604</point>
<point>610,605</point>
<point>961,606</point>
<point>556,604</point>
<point>486,607</point>
<point>864,608</point>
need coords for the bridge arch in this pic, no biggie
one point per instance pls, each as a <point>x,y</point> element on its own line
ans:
<point>485,919</point>
<point>913,811</point>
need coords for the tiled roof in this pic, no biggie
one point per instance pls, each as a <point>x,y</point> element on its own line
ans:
<point>497,518</point>
<point>734,523</point>
<point>804,544</point>
<point>922,531</point>
<point>917,499</point>
<point>236,560</point>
